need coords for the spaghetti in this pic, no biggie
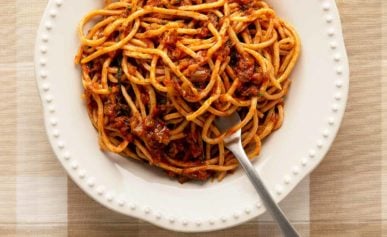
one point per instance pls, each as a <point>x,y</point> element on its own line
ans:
<point>157,73</point>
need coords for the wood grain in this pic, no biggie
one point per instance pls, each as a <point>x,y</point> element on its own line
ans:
<point>346,186</point>
<point>8,120</point>
<point>384,117</point>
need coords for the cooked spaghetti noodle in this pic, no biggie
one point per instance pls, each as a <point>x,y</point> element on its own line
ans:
<point>156,74</point>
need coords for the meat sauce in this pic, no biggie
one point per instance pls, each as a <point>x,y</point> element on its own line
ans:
<point>249,74</point>
<point>153,131</point>
<point>155,134</point>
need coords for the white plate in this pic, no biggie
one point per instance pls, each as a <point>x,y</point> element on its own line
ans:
<point>314,110</point>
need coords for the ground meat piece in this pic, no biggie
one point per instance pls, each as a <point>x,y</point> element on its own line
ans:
<point>154,132</point>
<point>170,39</point>
<point>176,54</point>
<point>114,107</point>
<point>174,149</point>
<point>223,52</point>
<point>123,125</point>
<point>137,126</point>
<point>109,109</point>
<point>245,67</point>
<point>161,133</point>
<point>249,91</point>
<point>201,56</point>
<point>213,19</point>
<point>204,32</point>
<point>144,98</point>
<point>187,149</point>
<point>260,77</point>
<point>195,147</point>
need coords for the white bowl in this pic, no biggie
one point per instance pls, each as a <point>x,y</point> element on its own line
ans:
<point>314,110</point>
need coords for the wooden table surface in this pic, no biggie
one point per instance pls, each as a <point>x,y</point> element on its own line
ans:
<point>345,196</point>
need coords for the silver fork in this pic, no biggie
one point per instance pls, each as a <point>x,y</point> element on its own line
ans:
<point>233,143</point>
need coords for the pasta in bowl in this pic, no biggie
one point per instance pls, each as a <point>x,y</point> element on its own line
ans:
<point>156,74</point>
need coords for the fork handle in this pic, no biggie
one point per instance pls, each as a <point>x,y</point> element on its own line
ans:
<point>272,207</point>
